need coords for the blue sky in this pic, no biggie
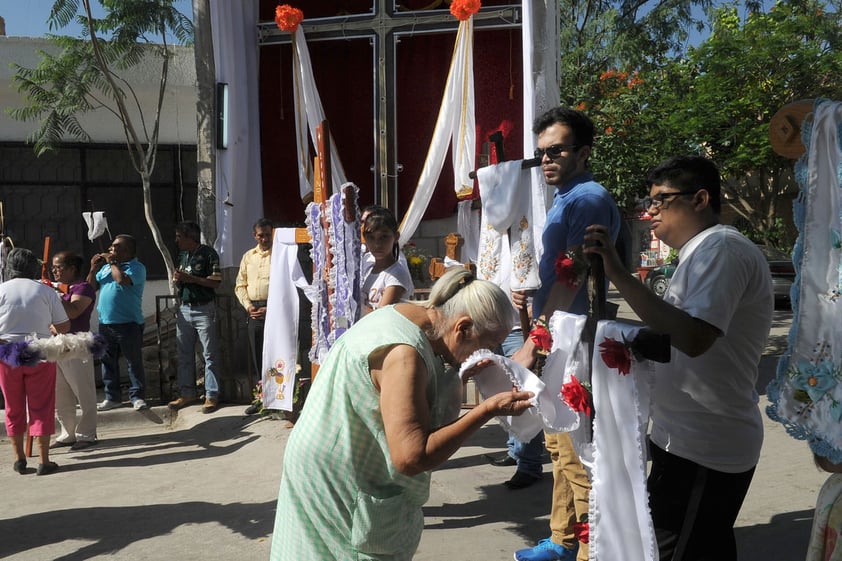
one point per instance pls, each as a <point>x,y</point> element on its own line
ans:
<point>28,18</point>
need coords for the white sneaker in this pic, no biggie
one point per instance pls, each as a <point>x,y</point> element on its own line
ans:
<point>139,405</point>
<point>107,405</point>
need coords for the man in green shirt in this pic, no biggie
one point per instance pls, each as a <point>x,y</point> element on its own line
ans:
<point>196,279</point>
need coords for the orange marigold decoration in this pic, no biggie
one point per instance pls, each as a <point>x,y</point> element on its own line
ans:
<point>615,354</point>
<point>464,9</point>
<point>288,17</point>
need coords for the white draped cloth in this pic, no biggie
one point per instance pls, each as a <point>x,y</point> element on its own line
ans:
<point>97,224</point>
<point>309,113</point>
<point>806,394</point>
<point>455,128</point>
<point>615,451</point>
<point>238,172</point>
<point>280,340</point>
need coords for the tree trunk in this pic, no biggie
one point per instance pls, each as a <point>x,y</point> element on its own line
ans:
<point>145,177</point>
<point>205,155</point>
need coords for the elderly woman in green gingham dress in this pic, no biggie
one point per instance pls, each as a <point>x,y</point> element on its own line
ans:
<point>379,416</point>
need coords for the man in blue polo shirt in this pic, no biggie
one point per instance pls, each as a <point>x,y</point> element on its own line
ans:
<point>564,143</point>
<point>196,279</point>
<point>120,277</point>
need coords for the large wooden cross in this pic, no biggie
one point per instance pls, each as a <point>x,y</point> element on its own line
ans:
<point>384,25</point>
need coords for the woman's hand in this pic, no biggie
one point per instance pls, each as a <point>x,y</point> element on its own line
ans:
<point>476,369</point>
<point>511,403</point>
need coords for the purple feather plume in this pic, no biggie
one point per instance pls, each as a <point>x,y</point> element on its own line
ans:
<point>99,346</point>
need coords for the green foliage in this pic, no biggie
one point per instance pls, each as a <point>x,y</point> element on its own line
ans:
<point>71,80</point>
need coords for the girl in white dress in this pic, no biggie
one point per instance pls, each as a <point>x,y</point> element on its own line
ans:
<point>385,275</point>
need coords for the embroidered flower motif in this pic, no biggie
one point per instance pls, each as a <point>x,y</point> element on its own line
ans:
<point>577,396</point>
<point>582,529</point>
<point>464,9</point>
<point>615,354</point>
<point>814,379</point>
<point>542,338</point>
<point>288,17</point>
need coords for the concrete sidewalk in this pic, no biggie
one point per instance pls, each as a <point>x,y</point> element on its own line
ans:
<point>193,486</point>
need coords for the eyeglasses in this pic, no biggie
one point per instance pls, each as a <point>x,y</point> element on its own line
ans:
<point>57,267</point>
<point>657,201</point>
<point>555,150</point>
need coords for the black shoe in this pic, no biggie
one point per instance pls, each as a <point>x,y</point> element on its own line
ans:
<point>46,469</point>
<point>82,444</point>
<point>501,460</point>
<point>60,444</point>
<point>252,409</point>
<point>20,466</point>
<point>521,480</point>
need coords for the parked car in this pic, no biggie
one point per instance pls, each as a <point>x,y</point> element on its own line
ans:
<point>780,267</point>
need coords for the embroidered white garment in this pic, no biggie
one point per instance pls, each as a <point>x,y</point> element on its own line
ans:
<point>344,247</point>
<point>806,395</point>
<point>280,334</point>
<point>507,207</point>
<point>620,522</point>
<point>548,411</point>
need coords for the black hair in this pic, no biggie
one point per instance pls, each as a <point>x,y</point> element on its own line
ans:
<point>189,229</point>
<point>688,173</point>
<point>579,123</point>
<point>262,223</point>
<point>381,217</point>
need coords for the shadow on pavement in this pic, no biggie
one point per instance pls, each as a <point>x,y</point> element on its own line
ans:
<point>113,528</point>
<point>784,538</point>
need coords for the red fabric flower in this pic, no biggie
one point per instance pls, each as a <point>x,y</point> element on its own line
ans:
<point>565,270</point>
<point>288,17</point>
<point>582,531</point>
<point>615,355</point>
<point>540,335</point>
<point>464,9</point>
<point>577,397</point>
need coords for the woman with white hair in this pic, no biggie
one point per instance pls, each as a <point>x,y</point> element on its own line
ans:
<point>380,415</point>
<point>28,307</point>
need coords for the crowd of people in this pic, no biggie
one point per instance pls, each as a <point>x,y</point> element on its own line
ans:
<point>385,408</point>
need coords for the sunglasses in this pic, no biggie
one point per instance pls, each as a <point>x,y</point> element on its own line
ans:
<point>555,150</point>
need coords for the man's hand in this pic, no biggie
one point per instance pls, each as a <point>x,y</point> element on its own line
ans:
<point>257,313</point>
<point>598,241</point>
<point>181,276</point>
<point>520,298</point>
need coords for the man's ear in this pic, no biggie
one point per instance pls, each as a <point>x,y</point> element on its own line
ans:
<point>701,199</point>
<point>583,154</point>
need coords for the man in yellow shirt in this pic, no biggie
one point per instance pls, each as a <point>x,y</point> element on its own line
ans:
<point>252,290</point>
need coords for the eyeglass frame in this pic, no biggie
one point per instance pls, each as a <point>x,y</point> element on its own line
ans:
<point>557,149</point>
<point>657,201</point>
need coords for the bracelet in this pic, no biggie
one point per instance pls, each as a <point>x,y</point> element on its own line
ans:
<point>113,262</point>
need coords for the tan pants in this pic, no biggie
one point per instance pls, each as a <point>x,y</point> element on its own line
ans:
<point>570,491</point>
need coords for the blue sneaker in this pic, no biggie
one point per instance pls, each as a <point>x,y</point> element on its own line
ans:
<point>546,550</point>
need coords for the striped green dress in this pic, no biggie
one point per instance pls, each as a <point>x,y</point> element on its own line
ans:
<point>340,495</point>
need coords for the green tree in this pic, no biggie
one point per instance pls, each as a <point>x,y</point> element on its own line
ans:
<point>737,80</point>
<point>87,73</point>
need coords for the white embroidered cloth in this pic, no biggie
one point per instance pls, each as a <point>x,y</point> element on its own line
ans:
<point>620,522</point>
<point>548,411</point>
<point>806,395</point>
<point>280,341</point>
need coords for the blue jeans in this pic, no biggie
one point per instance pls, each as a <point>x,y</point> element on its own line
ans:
<point>527,454</point>
<point>192,322</point>
<point>125,338</point>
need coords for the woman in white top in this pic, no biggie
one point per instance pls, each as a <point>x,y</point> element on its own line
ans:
<point>385,275</point>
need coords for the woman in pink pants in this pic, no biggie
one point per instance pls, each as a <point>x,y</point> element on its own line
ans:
<point>27,308</point>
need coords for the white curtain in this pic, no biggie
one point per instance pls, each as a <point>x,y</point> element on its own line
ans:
<point>456,124</point>
<point>238,171</point>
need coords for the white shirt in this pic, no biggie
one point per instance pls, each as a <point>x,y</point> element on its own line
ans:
<point>27,308</point>
<point>374,284</point>
<point>705,408</point>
